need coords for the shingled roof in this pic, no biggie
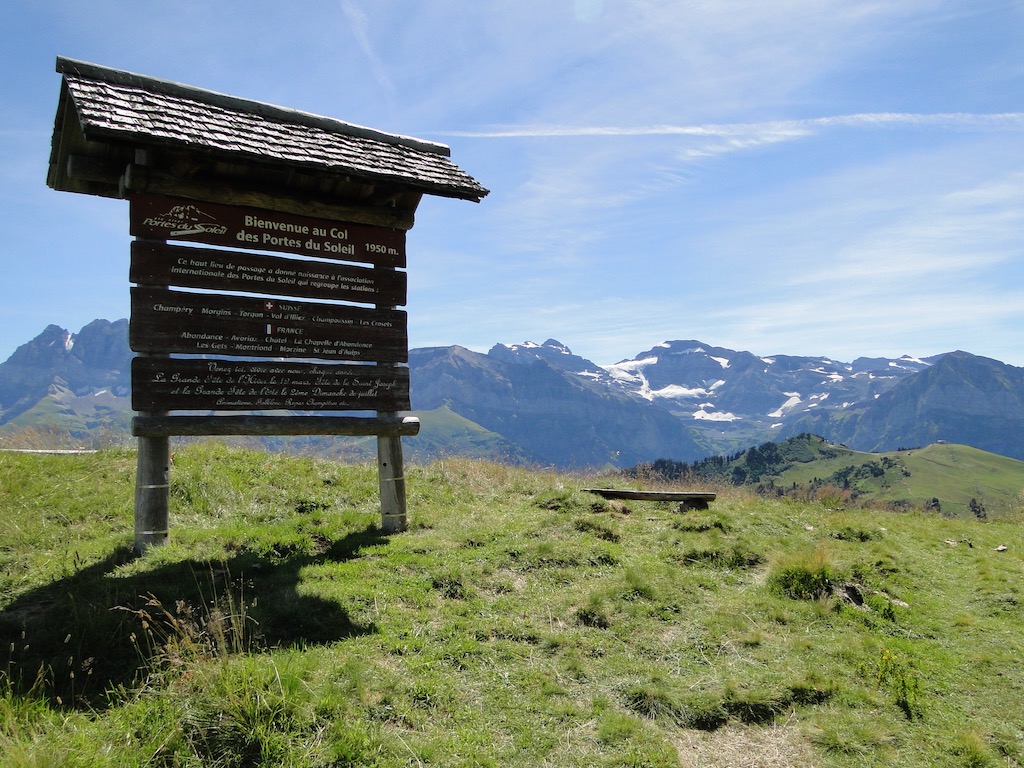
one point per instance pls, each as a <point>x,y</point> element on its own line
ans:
<point>106,115</point>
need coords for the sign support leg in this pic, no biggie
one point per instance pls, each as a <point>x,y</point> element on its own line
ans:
<point>152,497</point>
<point>390,465</point>
<point>391,475</point>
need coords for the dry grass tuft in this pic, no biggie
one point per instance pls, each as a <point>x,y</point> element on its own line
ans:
<point>745,746</point>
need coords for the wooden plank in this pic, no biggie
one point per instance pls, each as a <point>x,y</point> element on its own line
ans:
<point>157,217</point>
<point>138,179</point>
<point>85,168</point>
<point>681,496</point>
<point>165,321</point>
<point>213,269</point>
<point>276,426</point>
<point>240,385</point>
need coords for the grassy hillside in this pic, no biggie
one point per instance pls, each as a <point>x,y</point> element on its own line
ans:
<point>956,480</point>
<point>92,419</point>
<point>953,474</point>
<point>519,622</point>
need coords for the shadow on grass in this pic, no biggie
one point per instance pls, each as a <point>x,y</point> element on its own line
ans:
<point>76,639</point>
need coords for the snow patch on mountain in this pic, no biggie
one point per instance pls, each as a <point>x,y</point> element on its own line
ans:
<point>675,391</point>
<point>552,344</point>
<point>793,401</point>
<point>908,363</point>
<point>705,414</point>
<point>631,372</point>
<point>829,375</point>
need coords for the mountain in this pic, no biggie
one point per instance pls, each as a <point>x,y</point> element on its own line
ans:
<point>962,398</point>
<point>77,382</point>
<point>735,399</point>
<point>548,401</point>
<point>542,404</point>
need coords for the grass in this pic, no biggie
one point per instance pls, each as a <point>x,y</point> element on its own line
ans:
<point>952,474</point>
<point>519,621</point>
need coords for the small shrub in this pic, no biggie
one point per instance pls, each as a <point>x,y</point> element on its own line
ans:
<point>598,528</point>
<point>851,533</point>
<point>812,690</point>
<point>449,585</point>
<point>735,556</point>
<point>754,707</point>
<point>973,752</point>
<point>805,576</point>
<point>172,636</point>
<point>638,586</point>
<point>704,712</point>
<point>896,675</point>
<point>247,712</point>
<point>555,500</point>
<point>653,701</point>
<point>593,614</point>
<point>616,727</point>
<point>832,496</point>
<point>852,735</point>
<point>602,556</point>
<point>701,524</point>
<point>350,744</point>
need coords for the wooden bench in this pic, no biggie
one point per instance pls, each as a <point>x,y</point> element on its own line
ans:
<point>687,500</point>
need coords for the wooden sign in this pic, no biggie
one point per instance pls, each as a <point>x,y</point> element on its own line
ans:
<point>234,385</point>
<point>161,264</point>
<point>165,321</point>
<point>156,217</point>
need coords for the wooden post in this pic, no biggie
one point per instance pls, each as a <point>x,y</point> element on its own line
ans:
<point>390,465</point>
<point>152,492</point>
<point>392,483</point>
<point>152,471</point>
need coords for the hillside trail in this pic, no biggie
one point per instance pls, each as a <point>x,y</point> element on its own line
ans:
<point>955,460</point>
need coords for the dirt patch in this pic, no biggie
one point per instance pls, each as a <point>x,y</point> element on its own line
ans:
<point>744,746</point>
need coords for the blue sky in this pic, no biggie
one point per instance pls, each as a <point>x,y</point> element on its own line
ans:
<point>809,177</point>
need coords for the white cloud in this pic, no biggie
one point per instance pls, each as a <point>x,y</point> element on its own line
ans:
<point>359,24</point>
<point>765,132</point>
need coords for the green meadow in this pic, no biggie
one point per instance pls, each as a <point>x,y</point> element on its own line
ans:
<point>953,480</point>
<point>518,622</point>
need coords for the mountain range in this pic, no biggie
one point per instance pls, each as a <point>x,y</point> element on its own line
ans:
<point>541,404</point>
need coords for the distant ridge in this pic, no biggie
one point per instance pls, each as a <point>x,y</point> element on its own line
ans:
<point>954,480</point>
<point>539,403</point>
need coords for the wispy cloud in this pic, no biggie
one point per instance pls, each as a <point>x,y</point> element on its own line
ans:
<point>359,24</point>
<point>778,130</point>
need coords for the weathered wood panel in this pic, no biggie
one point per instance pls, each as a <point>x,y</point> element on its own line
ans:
<point>165,426</point>
<point>238,184</point>
<point>212,269</point>
<point>233,385</point>
<point>165,321</point>
<point>157,217</point>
